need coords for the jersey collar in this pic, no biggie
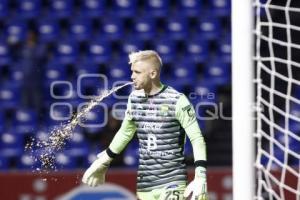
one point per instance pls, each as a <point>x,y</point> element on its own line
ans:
<point>163,88</point>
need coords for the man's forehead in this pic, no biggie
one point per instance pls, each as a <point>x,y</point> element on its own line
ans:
<point>140,65</point>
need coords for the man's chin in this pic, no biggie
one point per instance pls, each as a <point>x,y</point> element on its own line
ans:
<point>136,87</point>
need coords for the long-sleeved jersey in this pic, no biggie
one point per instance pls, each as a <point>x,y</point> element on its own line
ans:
<point>161,122</point>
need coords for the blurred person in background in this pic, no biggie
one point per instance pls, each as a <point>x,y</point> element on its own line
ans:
<point>161,117</point>
<point>32,72</point>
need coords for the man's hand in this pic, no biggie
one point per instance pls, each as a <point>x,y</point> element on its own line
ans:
<point>95,174</point>
<point>198,186</point>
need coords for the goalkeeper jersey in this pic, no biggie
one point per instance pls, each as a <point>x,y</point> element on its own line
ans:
<point>161,122</point>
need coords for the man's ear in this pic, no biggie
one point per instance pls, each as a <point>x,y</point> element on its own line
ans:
<point>153,74</point>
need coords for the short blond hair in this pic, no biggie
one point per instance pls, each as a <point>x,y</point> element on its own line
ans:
<point>149,55</point>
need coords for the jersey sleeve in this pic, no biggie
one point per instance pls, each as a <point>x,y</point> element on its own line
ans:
<point>186,115</point>
<point>125,133</point>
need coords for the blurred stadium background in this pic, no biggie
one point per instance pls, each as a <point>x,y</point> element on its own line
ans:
<point>46,42</point>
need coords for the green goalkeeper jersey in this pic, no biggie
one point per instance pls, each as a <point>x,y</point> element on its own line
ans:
<point>161,122</point>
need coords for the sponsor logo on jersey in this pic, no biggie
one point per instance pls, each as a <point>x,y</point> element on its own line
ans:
<point>164,110</point>
<point>151,125</point>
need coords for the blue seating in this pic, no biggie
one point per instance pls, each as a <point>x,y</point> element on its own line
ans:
<point>166,48</point>
<point>90,86</point>
<point>61,9</point>
<point>25,121</point>
<point>55,90</point>
<point>93,8</point>
<point>27,162</point>
<point>122,93</point>
<point>196,50</point>
<point>67,51</point>
<point>65,161</point>
<point>292,143</point>
<point>11,143</point>
<point>77,146</point>
<point>4,9</point>
<point>10,96</point>
<point>190,8</point>
<point>130,45</point>
<point>296,93</point>
<point>295,111</point>
<point>221,8</point>
<point>209,28</point>
<point>224,49</point>
<point>86,67</point>
<point>279,154</point>
<point>16,30</point>
<point>2,121</point>
<point>48,30</point>
<point>204,92</point>
<point>144,28</point>
<point>157,8</point>
<point>293,123</point>
<point>80,29</point>
<point>29,9</point>
<point>295,128</point>
<point>58,113</point>
<point>124,8</point>
<point>16,75</point>
<point>177,27</point>
<point>112,28</point>
<point>218,72</point>
<point>184,71</point>
<point>95,120</point>
<point>96,80</point>
<point>264,160</point>
<point>174,84</point>
<point>99,51</point>
<point>42,134</point>
<point>74,98</point>
<point>118,105</point>
<point>55,71</point>
<point>188,149</point>
<point>119,71</point>
<point>131,155</point>
<point>5,54</point>
<point>91,157</point>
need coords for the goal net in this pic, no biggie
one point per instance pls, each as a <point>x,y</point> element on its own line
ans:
<point>277,65</point>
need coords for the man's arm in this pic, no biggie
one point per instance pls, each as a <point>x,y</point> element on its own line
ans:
<point>185,114</point>
<point>95,174</point>
<point>124,135</point>
<point>122,138</point>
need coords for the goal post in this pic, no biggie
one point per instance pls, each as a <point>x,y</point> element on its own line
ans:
<point>242,100</point>
<point>266,62</point>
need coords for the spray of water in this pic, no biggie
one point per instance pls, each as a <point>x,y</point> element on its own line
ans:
<point>60,135</point>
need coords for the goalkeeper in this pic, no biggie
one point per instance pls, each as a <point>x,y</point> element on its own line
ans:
<point>161,117</point>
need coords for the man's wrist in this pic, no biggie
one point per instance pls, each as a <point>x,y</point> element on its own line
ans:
<point>104,158</point>
<point>200,172</point>
<point>110,153</point>
<point>201,163</point>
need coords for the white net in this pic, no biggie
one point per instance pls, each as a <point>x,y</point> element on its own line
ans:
<point>277,59</point>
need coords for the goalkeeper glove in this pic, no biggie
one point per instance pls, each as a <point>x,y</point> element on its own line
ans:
<point>198,186</point>
<point>95,174</point>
